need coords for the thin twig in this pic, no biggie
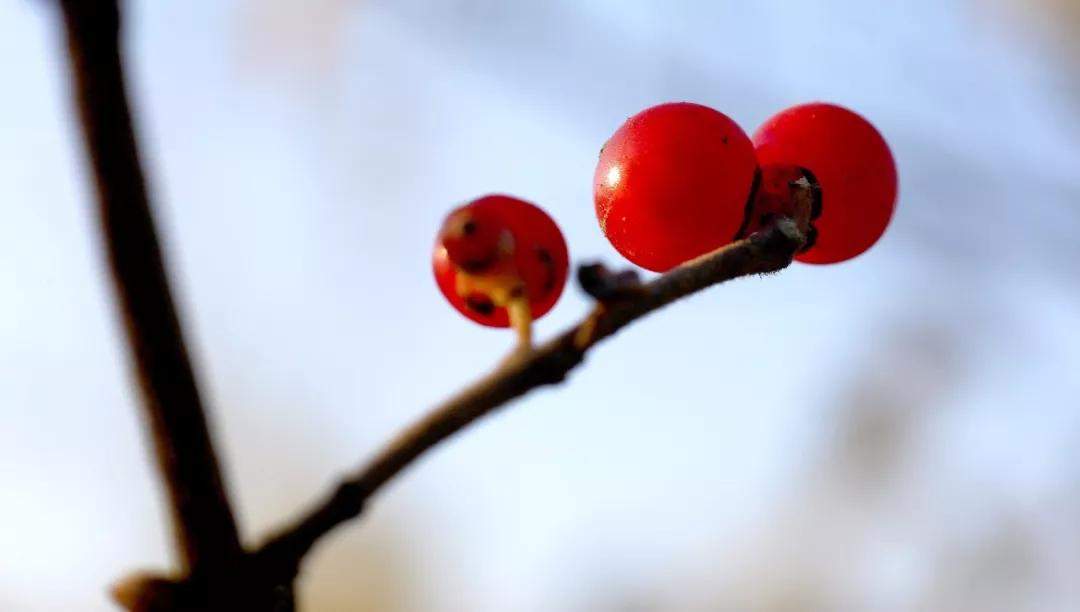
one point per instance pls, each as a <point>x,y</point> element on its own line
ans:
<point>766,251</point>
<point>205,530</point>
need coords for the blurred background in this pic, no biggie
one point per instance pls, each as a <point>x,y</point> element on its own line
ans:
<point>900,432</point>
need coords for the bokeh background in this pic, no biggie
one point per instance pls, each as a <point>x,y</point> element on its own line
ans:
<point>901,432</point>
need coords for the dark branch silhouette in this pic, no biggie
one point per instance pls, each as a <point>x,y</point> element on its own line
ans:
<point>206,534</point>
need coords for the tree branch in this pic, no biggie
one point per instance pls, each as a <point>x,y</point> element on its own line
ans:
<point>219,574</point>
<point>205,530</point>
<point>767,251</point>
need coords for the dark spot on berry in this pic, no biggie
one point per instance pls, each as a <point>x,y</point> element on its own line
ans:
<point>724,140</point>
<point>476,266</point>
<point>469,228</point>
<point>480,304</point>
<point>549,264</point>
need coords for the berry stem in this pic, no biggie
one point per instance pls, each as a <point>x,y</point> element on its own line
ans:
<point>521,319</point>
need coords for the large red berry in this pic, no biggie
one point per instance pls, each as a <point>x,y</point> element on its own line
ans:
<point>851,162</point>
<point>672,183</point>
<point>496,248</point>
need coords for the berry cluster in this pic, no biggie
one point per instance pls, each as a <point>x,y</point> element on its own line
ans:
<point>679,180</point>
<point>674,182</point>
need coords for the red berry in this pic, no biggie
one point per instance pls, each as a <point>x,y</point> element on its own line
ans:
<point>494,248</point>
<point>672,183</point>
<point>851,162</point>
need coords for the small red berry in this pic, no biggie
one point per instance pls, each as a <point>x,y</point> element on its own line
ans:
<point>850,161</point>
<point>497,248</point>
<point>672,183</point>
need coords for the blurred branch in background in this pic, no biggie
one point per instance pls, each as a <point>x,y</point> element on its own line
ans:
<point>302,37</point>
<point>215,572</point>
<point>1051,26</point>
<point>1059,18</point>
<point>207,539</point>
